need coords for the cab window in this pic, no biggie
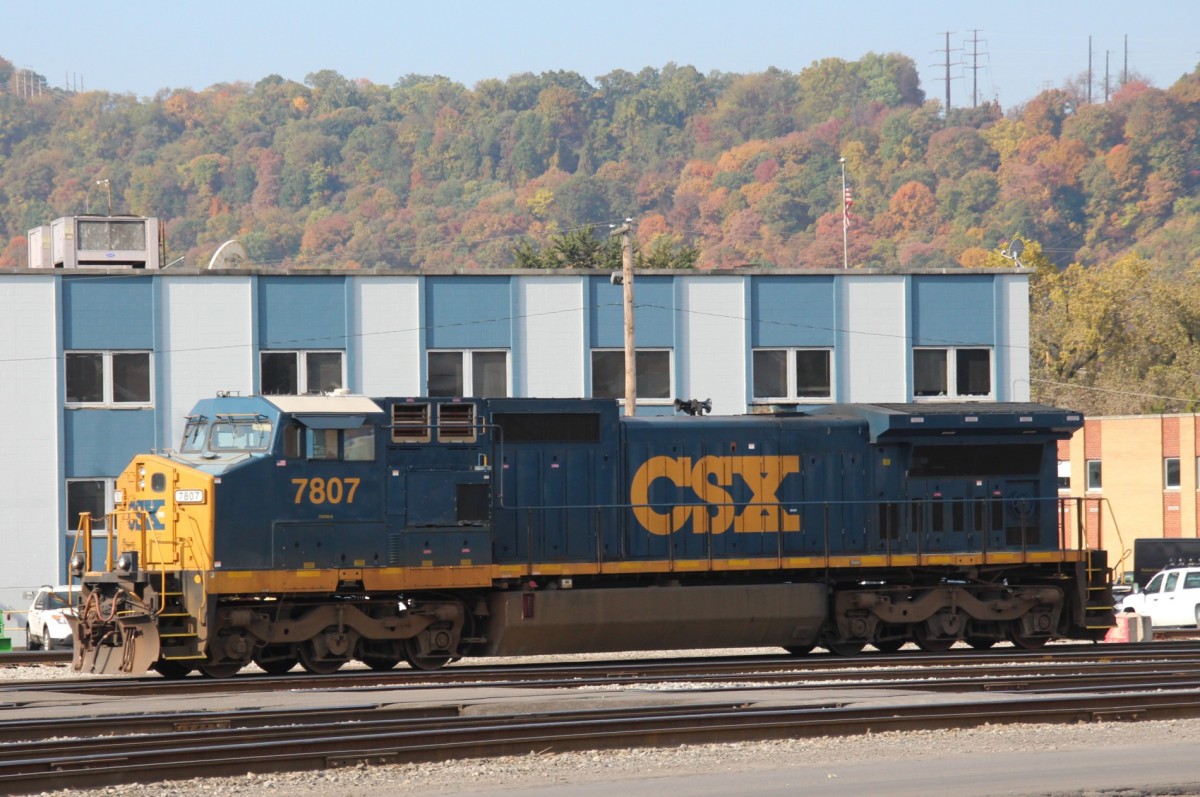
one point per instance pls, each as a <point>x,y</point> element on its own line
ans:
<point>194,437</point>
<point>240,436</point>
<point>293,440</point>
<point>348,445</point>
<point>360,444</point>
<point>1191,580</point>
<point>1155,584</point>
<point>322,444</point>
<point>1171,581</point>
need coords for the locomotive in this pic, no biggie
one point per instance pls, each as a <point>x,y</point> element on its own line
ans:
<point>323,529</point>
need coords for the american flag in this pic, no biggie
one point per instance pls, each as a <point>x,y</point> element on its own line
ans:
<point>846,209</point>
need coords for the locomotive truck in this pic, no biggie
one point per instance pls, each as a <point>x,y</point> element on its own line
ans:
<point>323,529</point>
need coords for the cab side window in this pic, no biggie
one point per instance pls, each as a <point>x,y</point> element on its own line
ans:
<point>1191,581</point>
<point>360,444</point>
<point>293,439</point>
<point>322,444</point>
<point>1171,581</point>
<point>1155,584</point>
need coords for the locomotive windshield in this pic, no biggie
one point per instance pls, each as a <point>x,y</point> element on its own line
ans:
<point>226,435</point>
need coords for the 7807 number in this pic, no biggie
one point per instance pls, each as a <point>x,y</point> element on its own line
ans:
<point>326,491</point>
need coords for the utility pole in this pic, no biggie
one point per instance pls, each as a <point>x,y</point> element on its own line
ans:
<point>845,218</point>
<point>947,75</point>
<point>627,284</point>
<point>975,67</point>
<point>1125,69</point>
<point>1090,79</point>
<point>108,186</point>
<point>947,66</point>
<point>1106,52</point>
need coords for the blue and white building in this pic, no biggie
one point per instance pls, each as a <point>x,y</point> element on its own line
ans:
<point>99,363</point>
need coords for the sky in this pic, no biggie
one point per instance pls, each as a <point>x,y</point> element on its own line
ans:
<point>1023,47</point>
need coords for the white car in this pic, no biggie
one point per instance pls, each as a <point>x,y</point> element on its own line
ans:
<point>47,622</point>
<point>1171,598</point>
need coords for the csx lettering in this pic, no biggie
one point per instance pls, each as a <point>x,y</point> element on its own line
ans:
<point>325,491</point>
<point>150,508</point>
<point>708,477</point>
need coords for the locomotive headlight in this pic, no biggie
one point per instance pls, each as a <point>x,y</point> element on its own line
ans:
<point>125,563</point>
<point>77,563</point>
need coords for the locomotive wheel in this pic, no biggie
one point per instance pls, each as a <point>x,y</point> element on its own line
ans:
<point>412,653</point>
<point>380,663</point>
<point>851,647</point>
<point>1024,642</point>
<point>311,661</point>
<point>171,670</point>
<point>226,669</point>
<point>888,645</point>
<point>931,644</point>
<point>276,659</point>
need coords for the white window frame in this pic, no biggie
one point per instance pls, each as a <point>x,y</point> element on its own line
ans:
<point>1088,466</point>
<point>108,485</point>
<point>468,370</point>
<point>107,399</point>
<point>646,401</point>
<point>792,371</point>
<point>1178,474</point>
<point>301,355</point>
<point>952,394</point>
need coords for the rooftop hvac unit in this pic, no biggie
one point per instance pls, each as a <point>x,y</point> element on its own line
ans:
<point>95,241</point>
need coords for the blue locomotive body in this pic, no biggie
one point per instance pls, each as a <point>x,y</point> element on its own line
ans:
<point>322,529</point>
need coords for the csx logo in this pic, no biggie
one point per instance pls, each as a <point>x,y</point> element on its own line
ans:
<point>150,508</point>
<point>707,478</point>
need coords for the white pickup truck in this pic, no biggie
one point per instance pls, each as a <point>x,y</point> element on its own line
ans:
<point>1171,598</point>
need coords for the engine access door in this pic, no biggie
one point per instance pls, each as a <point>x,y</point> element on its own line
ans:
<point>440,516</point>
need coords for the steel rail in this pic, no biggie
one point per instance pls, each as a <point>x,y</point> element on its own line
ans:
<point>788,668</point>
<point>375,743</point>
<point>28,657</point>
<point>22,733</point>
<point>469,670</point>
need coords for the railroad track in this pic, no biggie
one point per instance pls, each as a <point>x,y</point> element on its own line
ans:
<point>840,687</point>
<point>333,742</point>
<point>998,663</point>
<point>26,657</point>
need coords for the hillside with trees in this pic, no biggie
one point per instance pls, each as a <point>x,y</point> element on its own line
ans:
<point>717,171</point>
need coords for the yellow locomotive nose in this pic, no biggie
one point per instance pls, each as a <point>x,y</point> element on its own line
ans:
<point>160,537</point>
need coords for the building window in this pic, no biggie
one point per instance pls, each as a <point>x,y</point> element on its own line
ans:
<point>108,378</point>
<point>792,374</point>
<point>1093,474</point>
<point>653,379</point>
<point>88,495</point>
<point>295,373</point>
<point>952,373</point>
<point>1064,475</point>
<point>1171,473</point>
<point>479,374</point>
